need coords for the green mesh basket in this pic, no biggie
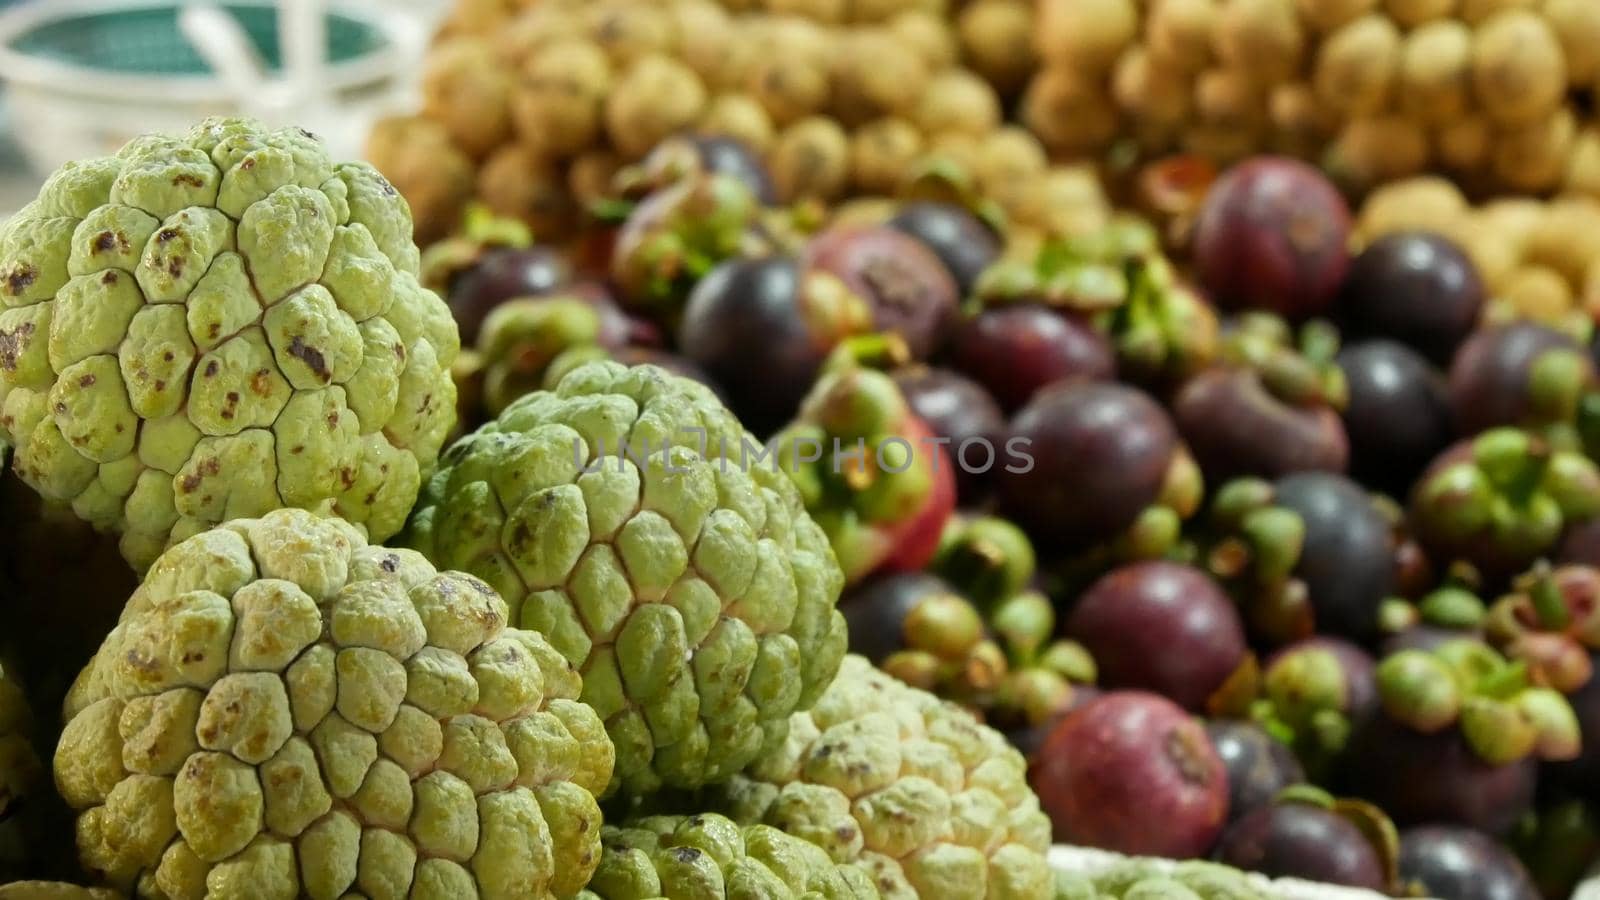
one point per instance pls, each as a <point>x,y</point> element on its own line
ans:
<point>147,40</point>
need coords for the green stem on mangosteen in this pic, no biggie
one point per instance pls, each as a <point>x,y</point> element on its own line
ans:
<point>1556,384</point>
<point>1452,607</point>
<point>1549,607</point>
<point>1276,537</point>
<point>1514,462</point>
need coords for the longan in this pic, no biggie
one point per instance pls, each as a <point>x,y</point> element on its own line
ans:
<point>591,176</point>
<point>1326,15</point>
<point>1356,65</point>
<point>788,86</point>
<point>467,91</point>
<point>829,11</point>
<point>415,154</point>
<point>1435,79</point>
<point>1377,149</point>
<point>997,41</point>
<point>1087,35</point>
<point>928,35</point>
<point>1463,145</point>
<point>556,106</point>
<point>1178,33</point>
<point>1008,156</point>
<point>957,100</point>
<point>810,160</point>
<point>875,75</point>
<point>1151,92</point>
<point>1518,68</point>
<point>1069,111</point>
<point>657,97</point>
<point>1537,293</point>
<point>1567,238</point>
<point>517,183</point>
<point>1230,98</point>
<point>1424,203</point>
<point>1074,202</point>
<point>705,36</point>
<point>1533,158</point>
<point>1263,37</point>
<point>739,116</point>
<point>1577,27</point>
<point>629,32</point>
<point>881,152</point>
<point>1411,13</point>
<point>1583,164</point>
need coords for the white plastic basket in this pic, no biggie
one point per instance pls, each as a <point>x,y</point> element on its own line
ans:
<point>85,76</point>
<point>1084,861</point>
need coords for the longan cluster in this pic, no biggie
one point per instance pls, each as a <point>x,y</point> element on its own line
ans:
<point>1539,259</point>
<point>1488,91</point>
<point>534,111</point>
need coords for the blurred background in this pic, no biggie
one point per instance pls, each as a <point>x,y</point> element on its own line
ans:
<point>80,77</point>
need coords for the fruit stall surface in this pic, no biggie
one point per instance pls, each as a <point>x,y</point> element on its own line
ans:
<point>815,449</point>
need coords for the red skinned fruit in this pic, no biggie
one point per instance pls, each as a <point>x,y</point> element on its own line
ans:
<point>1133,773</point>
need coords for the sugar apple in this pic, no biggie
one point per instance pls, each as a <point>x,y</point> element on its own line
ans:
<point>911,789</point>
<point>1138,879</point>
<point>708,856</point>
<point>620,516</point>
<point>52,890</point>
<point>209,327</point>
<point>286,711</point>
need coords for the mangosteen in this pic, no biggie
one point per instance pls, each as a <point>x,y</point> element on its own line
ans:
<point>503,274</point>
<point>1461,864</point>
<point>1521,374</point>
<point>1133,773</point>
<point>962,242</point>
<point>1273,234</point>
<point>1234,425</point>
<point>1397,416</point>
<point>1417,288</point>
<point>1160,626</point>
<point>1259,765</point>
<point>1015,350</point>
<point>1083,461</point>
<point>1312,841</point>
<point>907,289</point>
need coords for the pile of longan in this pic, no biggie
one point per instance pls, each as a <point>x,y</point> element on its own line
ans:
<point>1489,92</point>
<point>532,107</point>
<point>1539,259</point>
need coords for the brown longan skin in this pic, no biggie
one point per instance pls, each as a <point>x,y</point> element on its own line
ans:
<point>518,183</point>
<point>557,104</point>
<point>957,100</point>
<point>1178,33</point>
<point>881,152</point>
<point>1533,158</point>
<point>657,97</point>
<point>788,85</point>
<point>1262,37</point>
<point>928,35</point>
<point>465,89</point>
<point>1355,66</point>
<point>1088,35</point>
<point>1069,112</point>
<point>997,41</point>
<point>1155,93</point>
<point>436,178</point>
<point>739,116</point>
<point>875,75</point>
<point>1518,72</point>
<point>1435,84</point>
<point>811,160</point>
